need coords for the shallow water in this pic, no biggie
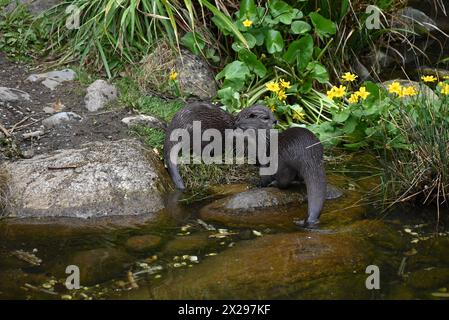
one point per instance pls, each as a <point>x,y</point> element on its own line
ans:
<point>189,261</point>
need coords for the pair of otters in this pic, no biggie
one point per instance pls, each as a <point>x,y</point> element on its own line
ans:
<point>300,153</point>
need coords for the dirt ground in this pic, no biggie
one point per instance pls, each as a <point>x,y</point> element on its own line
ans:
<point>26,116</point>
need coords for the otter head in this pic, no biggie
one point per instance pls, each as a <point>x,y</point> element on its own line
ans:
<point>255,117</point>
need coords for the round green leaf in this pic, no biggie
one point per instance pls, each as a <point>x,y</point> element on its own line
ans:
<point>273,41</point>
<point>323,27</point>
<point>300,27</point>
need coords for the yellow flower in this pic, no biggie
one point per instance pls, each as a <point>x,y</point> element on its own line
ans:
<point>336,92</point>
<point>348,76</point>
<point>429,78</point>
<point>445,89</point>
<point>298,115</point>
<point>273,108</point>
<point>331,93</point>
<point>395,87</point>
<point>446,77</point>
<point>247,23</point>
<point>173,75</point>
<point>340,91</point>
<point>362,93</point>
<point>354,98</point>
<point>409,91</point>
<point>281,95</point>
<point>272,86</point>
<point>284,84</point>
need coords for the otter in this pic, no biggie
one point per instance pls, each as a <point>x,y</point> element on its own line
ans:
<point>300,156</point>
<point>212,117</point>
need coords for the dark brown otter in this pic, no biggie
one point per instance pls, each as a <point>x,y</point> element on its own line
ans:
<point>300,156</point>
<point>211,117</point>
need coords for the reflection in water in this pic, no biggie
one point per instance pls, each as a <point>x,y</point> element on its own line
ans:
<point>183,257</point>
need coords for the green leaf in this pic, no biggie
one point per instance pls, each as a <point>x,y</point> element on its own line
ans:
<point>236,70</point>
<point>356,146</point>
<point>225,20</point>
<point>193,42</point>
<point>248,9</point>
<point>323,27</point>
<point>282,12</point>
<point>259,35</point>
<point>341,116</point>
<point>278,7</point>
<point>350,125</point>
<point>223,27</point>
<point>230,98</point>
<point>300,27</point>
<point>300,50</point>
<point>318,72</point>
<point>252,62</point>
<point>273,41</point>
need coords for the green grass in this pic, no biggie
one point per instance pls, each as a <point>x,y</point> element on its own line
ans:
<point>131,97</point>
<point>22,37</point>
<point>420,172</point>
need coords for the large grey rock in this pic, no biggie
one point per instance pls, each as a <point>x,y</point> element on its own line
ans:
<point>53,79</point>
<point>195,76</point>
<point>11,94</point>
<point>119,178</point>
<point>35,7</point>
<point>61,118</point>
<point>414,20</point>
<point>98,94</point>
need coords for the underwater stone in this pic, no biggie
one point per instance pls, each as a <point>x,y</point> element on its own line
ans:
<point>143,243</point>
<point>188,244</point>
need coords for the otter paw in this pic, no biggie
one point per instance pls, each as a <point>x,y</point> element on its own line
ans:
<point>306,224</point>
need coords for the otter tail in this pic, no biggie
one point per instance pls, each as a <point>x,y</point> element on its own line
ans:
<point>172,167</point>
<point>315,181</point>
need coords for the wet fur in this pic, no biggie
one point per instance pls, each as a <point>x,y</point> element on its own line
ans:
<point>301,157</point>
<point>211,117</point>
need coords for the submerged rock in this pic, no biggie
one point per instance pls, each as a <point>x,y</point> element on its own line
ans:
<point>265,207</point>
<point>188,244</point>
<point>99,93</point>
<point>119,178</point>
<point>274,266</point>
<point>431,278</point>
<point>143,243</point>
<point>96,266</point>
